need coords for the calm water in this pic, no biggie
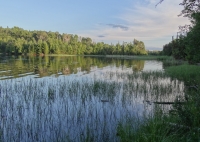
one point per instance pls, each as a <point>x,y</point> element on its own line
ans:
<point>77,98</point>
<point>38,67</point>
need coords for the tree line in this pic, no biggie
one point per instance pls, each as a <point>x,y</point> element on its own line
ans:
<point>187,45</point>
<point>17,41</point>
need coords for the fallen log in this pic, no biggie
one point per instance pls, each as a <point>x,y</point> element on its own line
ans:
<point>104,101</point>
<point>165,103</point>
<point>169,103</point>
<point>195,87</point>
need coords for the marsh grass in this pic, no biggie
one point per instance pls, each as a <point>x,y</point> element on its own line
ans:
<point>189,114</point>
<point>140,57</point>
<point>190,74</point>
<point>153,129</point>
<point>136,57</point>
<point>170,61</point>
<point>181,123</point>
<point>71,109</point>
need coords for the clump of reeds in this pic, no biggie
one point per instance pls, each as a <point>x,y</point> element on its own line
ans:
<point>80,109</point>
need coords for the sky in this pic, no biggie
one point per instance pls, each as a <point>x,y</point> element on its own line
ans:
<point>109,21</point>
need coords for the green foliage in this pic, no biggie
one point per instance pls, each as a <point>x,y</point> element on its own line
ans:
<point>193,39</point>
<point>157,53</point>
<point>190,74</point>
<point>179,48</point>
<point>182,123</point>
<point>186,47</point>
<point>153,129</point>
<point>139,48</point>
<point>188,114</point>
<point>18,41</point>
<point>167,49</point>
<point>186,73</point>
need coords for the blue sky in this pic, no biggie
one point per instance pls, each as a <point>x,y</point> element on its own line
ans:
<point>110,21</point>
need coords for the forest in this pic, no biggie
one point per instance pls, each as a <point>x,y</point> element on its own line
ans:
<point>17,41</point>
<point>186,46</point>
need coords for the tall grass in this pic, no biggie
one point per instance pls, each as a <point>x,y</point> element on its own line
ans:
<point>181,123</point>
<point>153,129</point>
<point>187,73</point>
<point>81,109</point>
<point>189,114</point>
<point>140,57</point>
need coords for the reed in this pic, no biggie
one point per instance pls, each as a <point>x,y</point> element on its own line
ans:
<point>87,108</point>
<point>181,122</point>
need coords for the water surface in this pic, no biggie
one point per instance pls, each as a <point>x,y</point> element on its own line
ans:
<point>17,67</point>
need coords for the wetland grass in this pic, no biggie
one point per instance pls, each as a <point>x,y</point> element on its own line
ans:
<point>187,73</point>
<point>140,57</point>
<point>153,129</point>
<point>182,122</point>
<point>64,109</point>
<point>188,115</point>
<point>135,57</point>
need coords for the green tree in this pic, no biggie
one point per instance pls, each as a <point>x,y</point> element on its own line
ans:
<point>45,48</point>
<point>193,41</point>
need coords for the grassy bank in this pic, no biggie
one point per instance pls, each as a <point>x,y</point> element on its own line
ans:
<point>182,123</point>
<point>190,74</point>
<point>167,59</point>
<point>137,57</point>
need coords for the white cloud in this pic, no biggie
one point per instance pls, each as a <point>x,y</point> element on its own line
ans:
<point>154,26</point>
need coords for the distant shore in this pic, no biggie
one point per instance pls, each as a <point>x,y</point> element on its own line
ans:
<point>139,57</point>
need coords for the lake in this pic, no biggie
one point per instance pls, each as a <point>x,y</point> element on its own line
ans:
<point>38,67</point>
<point>79,98</point>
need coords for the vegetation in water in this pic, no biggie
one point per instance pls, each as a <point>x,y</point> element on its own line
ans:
<point>83,108</point>
<point>182,120</point>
